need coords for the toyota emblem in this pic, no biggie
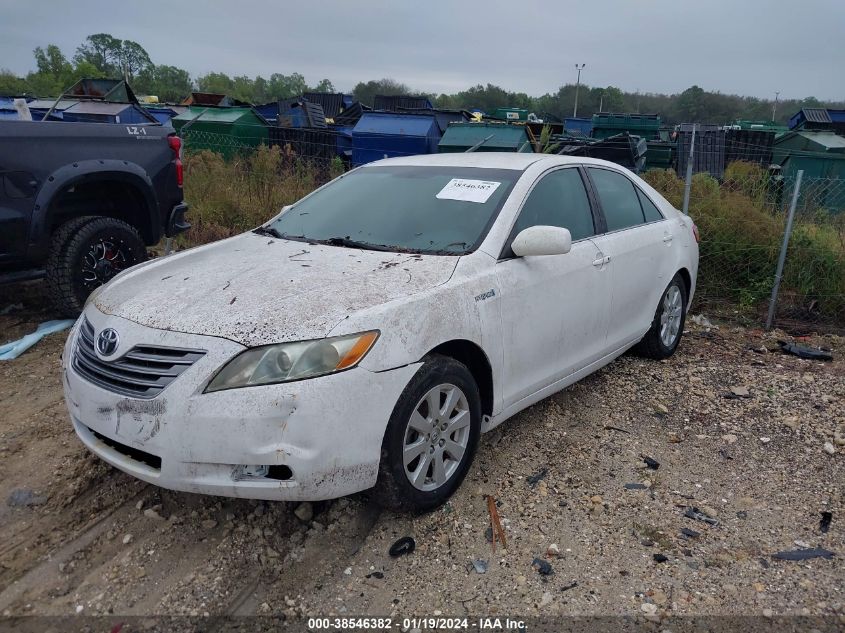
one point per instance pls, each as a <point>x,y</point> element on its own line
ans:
<point>107,342</point>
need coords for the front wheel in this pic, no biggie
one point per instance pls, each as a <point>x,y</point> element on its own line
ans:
<point>431,437</point>
<point>663,337</point>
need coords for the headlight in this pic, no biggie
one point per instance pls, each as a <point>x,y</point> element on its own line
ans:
<point>272,364</point>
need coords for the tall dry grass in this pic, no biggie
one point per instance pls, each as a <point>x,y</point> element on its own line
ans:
<point>228,197</point>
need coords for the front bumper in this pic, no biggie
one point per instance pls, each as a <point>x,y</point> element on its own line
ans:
<point>327,431</point>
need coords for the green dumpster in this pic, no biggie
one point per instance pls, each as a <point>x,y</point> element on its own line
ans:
<point>511,114</point>
<point>646,126</point>
<point>227,131</point>
<point>459,137</point>
<point>660,154</point>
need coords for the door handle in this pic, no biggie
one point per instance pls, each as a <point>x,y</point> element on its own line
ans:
<point>667,238</point>
<point>598,262</point>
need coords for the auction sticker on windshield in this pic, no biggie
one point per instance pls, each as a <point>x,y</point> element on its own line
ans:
<point>468,190</point>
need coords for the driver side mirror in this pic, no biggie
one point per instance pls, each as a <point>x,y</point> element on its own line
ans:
<point>542,240</point>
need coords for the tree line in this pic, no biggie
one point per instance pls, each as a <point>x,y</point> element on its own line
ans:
<point>103,55</point>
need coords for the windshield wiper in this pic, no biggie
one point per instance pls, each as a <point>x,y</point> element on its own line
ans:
<point>350,243</point>
<point>269,230</point>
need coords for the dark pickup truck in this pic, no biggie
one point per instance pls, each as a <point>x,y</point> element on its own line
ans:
<point>79,202</point>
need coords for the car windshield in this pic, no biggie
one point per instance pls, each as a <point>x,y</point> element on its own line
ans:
<point>418,209</point>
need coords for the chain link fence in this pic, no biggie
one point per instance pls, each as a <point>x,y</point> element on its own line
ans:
<point>743,221</point>
<point>237,182</point>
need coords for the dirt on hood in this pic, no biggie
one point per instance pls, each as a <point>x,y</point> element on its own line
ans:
<point>257,290</point>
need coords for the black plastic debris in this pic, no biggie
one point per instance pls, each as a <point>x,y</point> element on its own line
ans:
<point>660,558</point>
<point>804,554</point>
<point>694,513</point>
<point>651,463</point>
<point>688,533</point>
<point>635,486</point>
<point>404,545</point>
<point>488,534</point>
<point>544,568</point>
<point>376,574</point>
<point>572,585</point>
<point>802,351</point>
<point>534,479</point>
<point>824,524</point>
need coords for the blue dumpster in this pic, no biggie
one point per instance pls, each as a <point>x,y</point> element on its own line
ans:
<point>576,126</point>
<point>380,135</point>
<point>163,113</point>
<point>40,107</point>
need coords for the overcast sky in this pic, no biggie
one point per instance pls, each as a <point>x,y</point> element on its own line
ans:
<point>751,47</point>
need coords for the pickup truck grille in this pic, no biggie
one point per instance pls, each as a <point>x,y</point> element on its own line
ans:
<point>143,372</point>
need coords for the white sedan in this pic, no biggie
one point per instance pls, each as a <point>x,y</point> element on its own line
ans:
<point>367,335</point>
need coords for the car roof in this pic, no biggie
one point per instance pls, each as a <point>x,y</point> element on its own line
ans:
<point>489,160</point>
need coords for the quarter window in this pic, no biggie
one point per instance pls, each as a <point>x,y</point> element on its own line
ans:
<point>651,212</point>
<point>619,199</point>
<point>559,199</point>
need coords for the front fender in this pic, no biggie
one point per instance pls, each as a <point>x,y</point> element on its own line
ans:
<point>462,309</point>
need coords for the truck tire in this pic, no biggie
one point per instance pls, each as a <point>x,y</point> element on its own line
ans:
<point>85,253</point>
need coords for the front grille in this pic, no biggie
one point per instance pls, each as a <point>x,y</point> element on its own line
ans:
<point>143,372</point>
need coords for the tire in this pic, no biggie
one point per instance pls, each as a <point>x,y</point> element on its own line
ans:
<point>85,253</point>
<point>394,489</point>
<point>657,344</point>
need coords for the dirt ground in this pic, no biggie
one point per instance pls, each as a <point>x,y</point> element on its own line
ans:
<point>78,537</point>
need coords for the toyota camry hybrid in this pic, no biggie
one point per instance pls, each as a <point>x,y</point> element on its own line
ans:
<point>367,335</point>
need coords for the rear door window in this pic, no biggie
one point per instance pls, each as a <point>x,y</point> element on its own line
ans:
<point>619,199</point>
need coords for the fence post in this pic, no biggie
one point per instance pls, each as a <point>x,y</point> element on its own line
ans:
<point>786,235</point>
<point>689,172</point>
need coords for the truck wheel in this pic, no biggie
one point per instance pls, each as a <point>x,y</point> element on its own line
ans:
<point>85,253</point>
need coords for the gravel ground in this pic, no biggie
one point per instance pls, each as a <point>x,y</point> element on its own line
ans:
<point>752,438</point>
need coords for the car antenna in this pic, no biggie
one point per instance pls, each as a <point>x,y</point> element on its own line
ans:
<point>479,144</point>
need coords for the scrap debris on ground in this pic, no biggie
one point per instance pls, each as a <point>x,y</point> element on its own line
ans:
<point>740,518</point>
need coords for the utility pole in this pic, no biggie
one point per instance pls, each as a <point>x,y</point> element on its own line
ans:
<point>601,102</point>
<point>775,106</point>
<point>579,68</point>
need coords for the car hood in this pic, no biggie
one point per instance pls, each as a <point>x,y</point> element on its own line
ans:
<point>256,290</point>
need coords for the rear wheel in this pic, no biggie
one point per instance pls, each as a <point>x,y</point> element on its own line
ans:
<point>431,437</point>
<point>663,337</point>
<point>86,253</point>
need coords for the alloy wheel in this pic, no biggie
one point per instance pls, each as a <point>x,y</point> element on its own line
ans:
<point>104,259</point>
<point>436,437</point>
<point>670,317</point>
